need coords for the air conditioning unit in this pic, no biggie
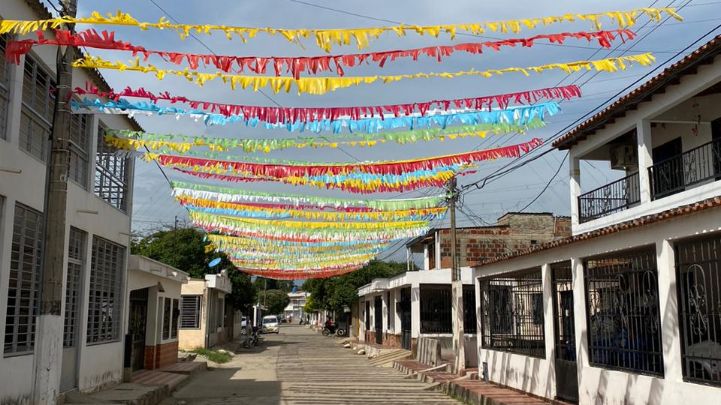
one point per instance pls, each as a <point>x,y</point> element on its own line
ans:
<point>623,157</point>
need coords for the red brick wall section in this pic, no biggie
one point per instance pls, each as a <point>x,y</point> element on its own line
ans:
<point>391,340</point>
<point>161,355</point>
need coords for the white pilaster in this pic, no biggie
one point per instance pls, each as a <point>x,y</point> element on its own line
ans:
<point>668,311</point>
<point>547,280</point>
<point>426,258</point>
<point>437,241</point>
<point>575,185</point>
<point>579,314</point>
<point>415,310</point>
<point>643,139</point>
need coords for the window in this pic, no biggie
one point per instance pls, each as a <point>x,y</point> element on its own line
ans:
<point>563,312</point>
<point>167,310</point>
<point>190,312</point>
<point>176,314</point>
<point>512,311</point>
<point>698,266</point>
<point>111,173</point>
<point>436,308</point>
<point>24,281</point>
<point>105,298</point>
<point>4,88</point>
<point>37,108</point>
<point>624,329</point>
<point>80,128</point>
<point>73,283</point>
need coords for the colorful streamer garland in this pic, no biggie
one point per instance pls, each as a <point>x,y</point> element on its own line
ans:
<point>322,85</point>
<point>295,66</point>
<point>163,143</point>
<point>325,38</point>
<point>521,115</point>
<point>275,115</point>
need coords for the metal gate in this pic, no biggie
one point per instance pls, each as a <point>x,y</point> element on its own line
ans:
<point>378,318</point>
<point>565,336</point>
<point>404,307</point>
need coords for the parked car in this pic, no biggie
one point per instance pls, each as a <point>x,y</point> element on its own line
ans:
<point>271,324</point>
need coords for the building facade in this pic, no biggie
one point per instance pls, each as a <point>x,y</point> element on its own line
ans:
<point>97,227</point>
<point>627,310</point>
<point>153,312</point>
<point>203,312</point>
<point>295,310</point>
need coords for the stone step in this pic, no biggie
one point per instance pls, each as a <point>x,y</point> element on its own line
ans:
<point>186,367</point>
<point>159,378</point>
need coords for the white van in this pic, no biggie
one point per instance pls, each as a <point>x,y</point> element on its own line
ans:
<point>270,324</point>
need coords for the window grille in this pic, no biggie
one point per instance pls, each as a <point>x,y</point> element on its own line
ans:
<point>698,266</point>
<point>4,88</point>
<point>104,296</point>
<point>512,311</point>
<point>176,314</point>
<point>111,173</point>
<point>167,310</point>
<point>565,333</point>
<point>73,283</point>
<point>80,128</point>
<point>624,330</point>
<point>436,308</point>
<point>23,281</point>
<point>38,102</point>
<point>190,312</point>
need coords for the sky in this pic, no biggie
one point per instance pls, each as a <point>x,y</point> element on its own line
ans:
<point>154,207</point>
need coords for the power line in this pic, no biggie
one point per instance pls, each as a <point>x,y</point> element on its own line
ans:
<point>547,185</point>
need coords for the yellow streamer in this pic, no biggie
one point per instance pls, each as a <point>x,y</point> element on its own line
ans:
<point>264,223</point>
<point>314,215</point>
<point>322,85</point>
<point>325,38</point>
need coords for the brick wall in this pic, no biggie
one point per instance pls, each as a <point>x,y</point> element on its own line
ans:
<point>161,355</point>
<point>512,232</point>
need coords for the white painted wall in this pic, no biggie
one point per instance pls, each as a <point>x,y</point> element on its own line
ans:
<point>598,385</point>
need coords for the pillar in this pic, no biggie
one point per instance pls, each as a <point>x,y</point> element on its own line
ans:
<point>437,241</point>
<point>548,320</point>
<point>575,186</point>
<point>644,143</point>
<point>668,311</point>
<point>426,258</point>
<point>579,315</point>
<point>415,311</point>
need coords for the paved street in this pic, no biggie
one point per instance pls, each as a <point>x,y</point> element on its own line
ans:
<point>299,366</point>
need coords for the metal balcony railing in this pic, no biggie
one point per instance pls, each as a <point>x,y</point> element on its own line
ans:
<point>676,174</point>
<point>612,197</point>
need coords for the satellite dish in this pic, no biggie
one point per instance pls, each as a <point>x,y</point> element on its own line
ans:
<point>214,262</point>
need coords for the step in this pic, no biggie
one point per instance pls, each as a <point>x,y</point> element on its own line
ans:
<point>159,378</point>
<point>126,393</point>
<point>186,367</point>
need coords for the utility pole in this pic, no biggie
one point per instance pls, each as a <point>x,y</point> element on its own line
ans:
<point>456,284</point>
<point>49,329</point>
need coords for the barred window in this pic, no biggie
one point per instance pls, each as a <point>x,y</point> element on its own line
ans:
<point>4,88</point>
<point>190,312</point>
<point>73,283</point>
<point>698,266</point>
<point>624,327</point>
<point>37,108</point>
<point>512,311</point>
<point>24,280</point>
<point>435,308</point>
<point>105,298</point>
<point>176,314</point>
<point>166,304</point>
<point>111,173</point>
<point>80,129</point>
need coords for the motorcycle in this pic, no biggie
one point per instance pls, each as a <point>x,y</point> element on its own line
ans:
<point>253,338</point>
<point>333,330</point>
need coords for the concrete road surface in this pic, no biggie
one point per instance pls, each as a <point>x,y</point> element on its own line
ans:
<point>300,366</point>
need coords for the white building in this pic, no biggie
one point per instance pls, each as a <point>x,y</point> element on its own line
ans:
<point>296,305</point>
<point>97,235</point>
<point>628,309</point>
<point>205,318</point>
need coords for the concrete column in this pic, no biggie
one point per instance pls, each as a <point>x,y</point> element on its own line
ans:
<point>579,315</point>
<point>643,139</point>
<point>408,259</point>
<point>396,318</point>
<point>575,185</point>
<point>547,280</point>
<point>437,241</point>
<point>415,310</point>
<point>426,258</point>
<point>15,94</point>
<point>668,311</point>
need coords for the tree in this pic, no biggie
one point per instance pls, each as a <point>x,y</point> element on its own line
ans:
<point>261,283</point>
<point>336,292</point>
<point>188,250</point>
<point>275,301</point>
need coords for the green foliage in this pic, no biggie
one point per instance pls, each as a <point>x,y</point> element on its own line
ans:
<point>261,283</point>
<point>186,250</point>
<point>336,292</point>
<point>274,300</point>
<point>213,355</point>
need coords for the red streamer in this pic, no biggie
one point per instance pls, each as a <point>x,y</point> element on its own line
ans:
<point>292,114</point>
<point>279,171</point>
<point>301,274</point>
<point>297,65</point>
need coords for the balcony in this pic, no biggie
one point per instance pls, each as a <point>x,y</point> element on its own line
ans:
<point>681,172</point>
<point>608,199</point>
